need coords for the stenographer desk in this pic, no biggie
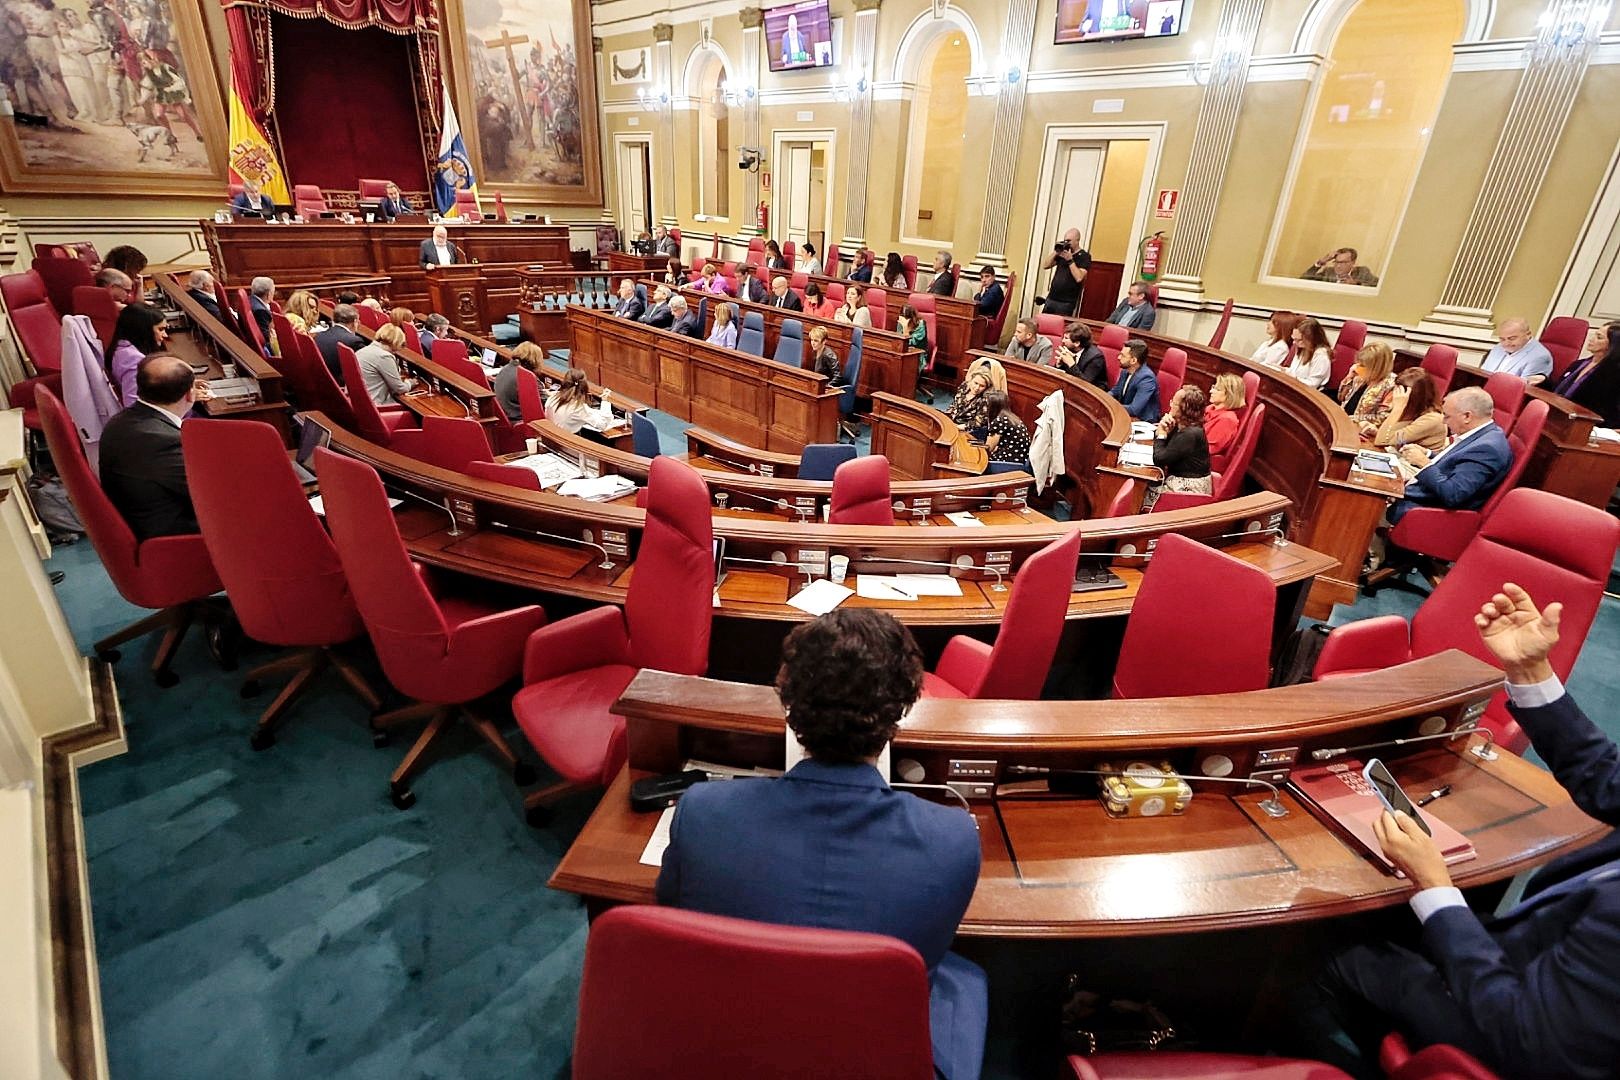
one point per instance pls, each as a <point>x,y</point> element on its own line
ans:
<point>1060,867</point>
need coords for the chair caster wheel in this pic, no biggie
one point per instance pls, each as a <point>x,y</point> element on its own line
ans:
<point>165,678</point>
<point>379,739</point>
<point>262,739</point>
<point>403,797</point>
<point>250,689</point>
<point>109,656</point>
<point>538,817</point>
<point>523,774</point>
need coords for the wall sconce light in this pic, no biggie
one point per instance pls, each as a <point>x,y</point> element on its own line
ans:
<point>737,93</point>
<point>653,100</point>
<point>1565,28</point>
<point>1219,59</point>
<point>849,87</point>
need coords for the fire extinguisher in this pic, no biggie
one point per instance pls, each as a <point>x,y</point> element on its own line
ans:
<point>763,214</point>
<point>1152,254</point>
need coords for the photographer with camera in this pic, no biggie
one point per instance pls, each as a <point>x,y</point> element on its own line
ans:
<point>1069,263</point>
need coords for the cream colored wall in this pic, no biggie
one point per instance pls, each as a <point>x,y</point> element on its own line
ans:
<point>1117,202</point>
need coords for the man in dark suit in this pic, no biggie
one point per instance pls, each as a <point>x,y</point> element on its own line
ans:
<point>685,319</point>
<point>749,287</point>
<point>988,300</point>
<point>262,291</point>
<point>1535,991</point>
<point>629,305</point>
<point>784,297</point>
<point>663,243</point>
<point>392,204</point>
<point>200,287</point>
<point>341,332</point>
<point>1137,388</point>
<point>944,283</point>
<point>439,251</point>
<point>1469,468</point>
<point>251,200</point>
<point>142,470</point>
<point>1134,311</point>
<point>659,314</point>
<point>830,844</point>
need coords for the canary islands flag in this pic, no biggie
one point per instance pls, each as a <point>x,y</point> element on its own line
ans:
<point>453,171</point>
<point>251,155</point>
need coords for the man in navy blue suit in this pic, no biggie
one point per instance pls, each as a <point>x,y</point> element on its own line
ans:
<point>831,844</point>
<point>1137,388</point>
<point>1469,468</point>
<point>629,305</point>
<point>1535,991</point>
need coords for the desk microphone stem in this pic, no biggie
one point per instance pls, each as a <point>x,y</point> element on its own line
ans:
<point>455,526</point>
<point>1486,751</point>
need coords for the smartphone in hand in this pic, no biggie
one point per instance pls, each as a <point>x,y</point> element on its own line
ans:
<point>1390,794</point>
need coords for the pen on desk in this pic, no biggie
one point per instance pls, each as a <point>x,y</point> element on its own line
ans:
<point>1438,793</point>
<point>901,593</point>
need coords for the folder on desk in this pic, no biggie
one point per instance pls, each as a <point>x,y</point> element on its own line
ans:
<point>1340,797</point>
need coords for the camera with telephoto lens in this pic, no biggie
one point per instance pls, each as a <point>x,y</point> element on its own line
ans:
<point>1063,247</point>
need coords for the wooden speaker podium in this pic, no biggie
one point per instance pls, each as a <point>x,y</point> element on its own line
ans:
<point>458,292</point>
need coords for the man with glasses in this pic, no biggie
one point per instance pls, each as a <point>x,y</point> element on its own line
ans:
<point>1340,267</point>
<point>1468,469</point>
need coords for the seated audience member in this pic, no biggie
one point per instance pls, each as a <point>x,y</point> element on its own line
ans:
<point>525,354</point>
<point>1313,356</point>
<point>683,320</point>
<point>967,410</point>
<point>629,305</point>
<point>784,297</point>
<point>854,310</point>
<point>774,259</point>
<point>1079,356</point>
<point>825,358</point>
<point>1414,415</point>
<point>663,243</point>
<point>392,204</point>
<point>818,303</point>
<point>944,283</point>
<point>261,293</point>
<point>1027,345</point>
<point>910,325</point>
<point>1137,388</point>
<point>865,260</point>
<point>341,332</point>
<point>659,314</point>
<point>402,317</point>
<point>379,365</point>
<point>348,296</point>
<point>749,287</point>
<point>139,332</point>
<point>712,281</point>
<point>199,286</point>
<point>372,302</point>
<point>1005,436</point>
<point>121,288</point>
<point>1594,379</point>
<point>1366,389</point>
<point>810,263</point>
<point>303,311</point>
<point>1533,991</point>
<point>1134,311</point>
<point>142,469</point>
<point>1340,267</point>
<point>1181,449</point>
<point>1467,471</point>
<point>894,272</point>
<point>434,327</point>
<point>131,260</point>
<point>1518,353</point>
<point>252,199</point>
<point>438,250</point>
<point>569,406</point>
<point>674,272</point>
<point>724,330</point>
<point>988,299</point>
<point>1226,399</point>
<point>1273,352</point>
<point>831,844</point>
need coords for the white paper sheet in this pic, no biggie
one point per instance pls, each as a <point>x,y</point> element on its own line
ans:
<point>820,597</point>
<point>929,584</point>
<point>653,853</point>
<point>598,487</point>
<point>964,517</point>
<point>319,506</point>
<point>552,469</point>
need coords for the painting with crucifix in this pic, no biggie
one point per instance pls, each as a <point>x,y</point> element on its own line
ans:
<point>528,96</point>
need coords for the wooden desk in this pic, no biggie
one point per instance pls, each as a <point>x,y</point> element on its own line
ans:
<point>716,453</point>
<point>625,264</point>
<point>921,442</point>
<point>755,401</point>
<point>210,342</point>
<point>449,393</point>
<point>1059,867</point>
<point>954,321</point>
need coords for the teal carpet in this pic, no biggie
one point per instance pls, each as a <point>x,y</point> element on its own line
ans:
<point>272,915</point>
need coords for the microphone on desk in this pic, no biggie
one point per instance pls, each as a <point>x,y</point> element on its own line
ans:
<point>946,788</point>
<point>1272,806</point>
<point>455,526</point>
<point>808,575</point>
<point>607,562</point>
<point>1485,751</point>
<point>999,586</point>
<point>805,512</point>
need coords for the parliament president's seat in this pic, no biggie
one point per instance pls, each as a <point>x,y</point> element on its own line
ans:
<point>309,202</point>
<point>373,190</point>
<point>754,1000</point>
<point>466,207</point>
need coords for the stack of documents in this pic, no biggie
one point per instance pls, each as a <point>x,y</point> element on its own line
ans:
<point>905,586</point>
<point>597,488</point>
<point>553,469</point>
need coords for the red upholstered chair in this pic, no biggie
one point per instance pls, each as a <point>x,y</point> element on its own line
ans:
<point>36,321</point>
<point>1179,500</point>
<point>443,651</point>
<point>371,318</point>
<point>1251,395</point>
<point>1556,548</point>
<point>1112,336</point>
<point>413,340</point>
<point>574,670</point>
<point>800,1003</point>
<point>1017,666</point>
<point>1191,1065</point>
<point>314,386</point>
<point>1352,336</point>
<point>466,207</point>
<point>454,442</point>
<point>756,251</point>
<point>829,261</point>
<point>797,281</point>
<point>910,264</point>
<point>993,331</point>
<point>1051,327</point>
<point>275,558</point>
<point>371,190</point>
<point>226,314</point>
<point>1437,1062</point>
<point>1440,361</point>
<point>1565,337</point>
<point>450,348</point>
<point>1169,383</point>
<point>1507,394</point>
<point>377,425</point>
<point>788,253</point>
<point>530,399</point>
<point>510,475</point>
<point>1173,362</point>
<point>877,302</point>
<point>308,201</point>
<point>248,324</point>
<point>61,277</point>
<point>233,190</point>
<point>1220,648</point>
<point>83,250</point>
<point>1126,501</point>
<point>1229,484</point>
<point>1218,338</point>
<point>860,493</point>
<point>98,305</point>
<point>172,574</point>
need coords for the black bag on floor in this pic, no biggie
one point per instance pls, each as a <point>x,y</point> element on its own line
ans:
<point>1298,657</point>
<point>1093,1024</point>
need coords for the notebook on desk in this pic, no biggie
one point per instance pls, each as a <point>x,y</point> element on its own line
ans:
<point>1340,797</point>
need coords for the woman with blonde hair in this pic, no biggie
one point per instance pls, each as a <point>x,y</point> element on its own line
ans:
<point>1365,390</point>
<point>724,330</point>
<point>993,372</point>
<point>1226,401</point>
<point>379,366</point>
<point>303,311</point>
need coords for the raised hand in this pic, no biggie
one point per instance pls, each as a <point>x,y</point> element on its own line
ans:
<point>1519,635</point>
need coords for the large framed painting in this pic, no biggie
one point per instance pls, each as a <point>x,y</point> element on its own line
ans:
<point>109,95</point>
<point>524,75</point>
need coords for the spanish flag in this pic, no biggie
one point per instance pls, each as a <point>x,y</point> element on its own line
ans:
<point>252,157</point>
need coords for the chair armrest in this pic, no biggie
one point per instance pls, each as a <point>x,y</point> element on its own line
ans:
<point>964,664</point>
<point>22,393</point>
<point>590,639</point>
<point>1436,532</point>
<point>1365,645</point>
<point>494,643</point>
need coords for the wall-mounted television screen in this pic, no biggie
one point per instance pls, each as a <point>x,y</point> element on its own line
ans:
<point>1116,20</point>
<point>799,36</point>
